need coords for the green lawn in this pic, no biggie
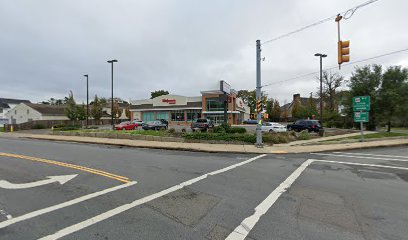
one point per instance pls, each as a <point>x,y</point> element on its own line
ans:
<point>382,135</point>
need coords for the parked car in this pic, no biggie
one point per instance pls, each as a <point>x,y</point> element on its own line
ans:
<point>272,127</point>
<point>250,121</point>
<point>164,121</point>
<point>138,122</point>
<point>309,125</point>
<point>202,124</point>
<point>154,125</point>
<point>126,126</point>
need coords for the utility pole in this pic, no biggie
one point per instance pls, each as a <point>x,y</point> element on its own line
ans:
<point>258,93</point>
<point>111,62</point>
<point>87,100</point>
<point>321,56</point>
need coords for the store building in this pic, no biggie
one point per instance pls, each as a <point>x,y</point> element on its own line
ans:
<point>183,110</point>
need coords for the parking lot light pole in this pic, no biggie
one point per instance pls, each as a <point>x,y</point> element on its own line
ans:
<point>321,56</point>
<point>111,62</point>
<point>87,99</point>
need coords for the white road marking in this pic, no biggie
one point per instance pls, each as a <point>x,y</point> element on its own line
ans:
<point>242,231</point>
<point>246,226</point>
<point>362,157</point>
<point>374,155</point>
<point>62,205</point>
<point>51,179</point>
<point>361,164</point>
<point>103,216</point>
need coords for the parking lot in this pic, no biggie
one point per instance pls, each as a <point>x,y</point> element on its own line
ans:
<point>124,193</point>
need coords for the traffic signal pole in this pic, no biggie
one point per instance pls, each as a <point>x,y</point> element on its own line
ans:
<point>258,93</point>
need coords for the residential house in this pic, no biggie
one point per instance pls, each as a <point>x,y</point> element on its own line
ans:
<point>26,112</point>
<point>6,104</point>
<point>286,110</point>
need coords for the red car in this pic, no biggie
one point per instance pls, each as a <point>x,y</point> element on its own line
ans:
<point>127,125</point>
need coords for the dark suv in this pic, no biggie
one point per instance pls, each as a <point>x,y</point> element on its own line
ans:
<point>202,124</point>
<point>309,125</point>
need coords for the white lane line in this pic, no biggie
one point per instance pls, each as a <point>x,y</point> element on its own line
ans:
<point>246,226</point>
<point>361,164</point>
<point>374,155</point>
<point>62,205</point>
<point>103,216</point>
<point>242,231</point>
<point>362,157</point>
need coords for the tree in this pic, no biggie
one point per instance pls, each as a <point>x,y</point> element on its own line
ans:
<point>96,108</point>
<point>311,108</point>
<point>117,110</point>
<point>81,112</point>
<point>269,107</point>
<point>331,83</point>
<point>249,98</point>
<point>365,81</point>
<point>297,109</point>
<point>393,94</point>
<point>276,110</point>
<point>127,112</point>
<point>158,93</point>
<point>71,110</point>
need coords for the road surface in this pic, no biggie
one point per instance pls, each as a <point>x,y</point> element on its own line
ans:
<point>129,193</point>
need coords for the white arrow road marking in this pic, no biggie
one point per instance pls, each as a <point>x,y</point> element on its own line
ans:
<point>51,179</point>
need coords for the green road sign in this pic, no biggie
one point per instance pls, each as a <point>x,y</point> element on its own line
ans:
<point>360,116</point>
<point>361,103</point>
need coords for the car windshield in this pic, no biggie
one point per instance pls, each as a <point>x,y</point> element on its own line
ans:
<point>201,120</point>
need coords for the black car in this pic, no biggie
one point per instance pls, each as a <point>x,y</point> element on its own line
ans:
<point>154,125</point>
<point>164,121</point>
<point>309,125</point>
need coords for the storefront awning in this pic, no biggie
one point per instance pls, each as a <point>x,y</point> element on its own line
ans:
<point>220,112</point>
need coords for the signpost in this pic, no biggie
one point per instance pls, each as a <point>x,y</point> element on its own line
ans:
<point>226,89</point>
<point>361,107</point>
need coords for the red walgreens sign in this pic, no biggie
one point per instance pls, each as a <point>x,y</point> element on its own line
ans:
<point>169,101</point>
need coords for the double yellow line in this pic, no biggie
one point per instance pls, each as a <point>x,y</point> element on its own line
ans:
<point>68,165</point>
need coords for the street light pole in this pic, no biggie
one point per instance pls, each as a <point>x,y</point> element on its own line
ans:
<point>111,62</point>
<point>87,99</point>
<point>321,56</point>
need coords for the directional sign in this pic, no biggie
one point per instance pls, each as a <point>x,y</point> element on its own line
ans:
<point>360,116</point>
<point>51,179</point>
<point>361,103</point>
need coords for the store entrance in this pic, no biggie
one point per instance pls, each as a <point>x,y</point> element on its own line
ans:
<point>216,118</point>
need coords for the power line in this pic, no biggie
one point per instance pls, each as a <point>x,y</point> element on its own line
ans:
<point>347,14</point>
<point>330,68</point>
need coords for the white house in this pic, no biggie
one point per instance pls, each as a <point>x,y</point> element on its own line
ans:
<point>6,104</point>
<point>26,112</point>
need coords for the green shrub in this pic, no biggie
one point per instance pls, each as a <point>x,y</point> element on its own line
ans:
<point>38,126</point>
<point>219,129</point>
<point>67,128</point>
<point>276,138</point>
<point>304,135</point>
<point>1,129</point>
<point>249,138</point>
<point>236,130</point>
<point>183,130</point>
<point>171,130</point>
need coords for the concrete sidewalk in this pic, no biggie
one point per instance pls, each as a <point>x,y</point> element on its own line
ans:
<point>204,147</point>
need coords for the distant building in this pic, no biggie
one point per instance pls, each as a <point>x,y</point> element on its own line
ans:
<point>6,104</point>
<point>286,110</point>
<point>26,112</point>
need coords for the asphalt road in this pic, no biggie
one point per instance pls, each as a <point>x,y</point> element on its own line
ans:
<point>128,193</point>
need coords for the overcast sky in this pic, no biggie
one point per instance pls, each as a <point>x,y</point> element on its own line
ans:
<point>183,46</point>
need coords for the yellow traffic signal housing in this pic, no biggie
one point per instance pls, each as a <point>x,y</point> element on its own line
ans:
<point>258,106</point>
<point>343,52</point>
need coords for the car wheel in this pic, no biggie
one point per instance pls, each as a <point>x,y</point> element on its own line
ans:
<point>289,128</point>
<point>270,131</point>
<point>135,128</point>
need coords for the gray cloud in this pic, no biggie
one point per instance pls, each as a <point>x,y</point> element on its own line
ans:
<point>182,46</point>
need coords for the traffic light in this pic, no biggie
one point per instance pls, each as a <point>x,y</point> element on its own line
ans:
<point>258,106</point>
<point>343,52</point>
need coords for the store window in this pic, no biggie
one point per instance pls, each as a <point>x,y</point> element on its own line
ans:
<point>162,115</point>
<point>214,104</point>
<point>193,115</point>
<point>177,116</point>
<point>148,116</point>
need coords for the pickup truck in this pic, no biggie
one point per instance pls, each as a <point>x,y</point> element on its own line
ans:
<point>202,124</point>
